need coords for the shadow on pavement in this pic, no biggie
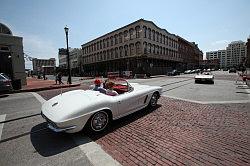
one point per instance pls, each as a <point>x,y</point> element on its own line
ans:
<point>116,124</point>
<point>48,143</point>
<point>3,95</point>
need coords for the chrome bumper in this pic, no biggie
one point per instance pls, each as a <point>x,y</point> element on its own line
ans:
<point>57,130</point>
<point>52,126</point>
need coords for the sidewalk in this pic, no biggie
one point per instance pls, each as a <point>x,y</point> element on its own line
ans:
<point>34,84</point>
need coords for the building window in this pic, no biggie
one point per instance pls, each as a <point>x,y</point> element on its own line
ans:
<point>97,45</point>
<point>149,33</point>
<point>120,50</point>
<point>137,47</point>
<point>111,41</point>
<point>160,38</point>
<point>104,55</point>
<point>153,49</point>
<point>125,50</point>
<point>107,42</point>
<point>131,31</point>
<point>137,29</point>
<point>163,37</point>
<point>116,52</point>
<point>145,47</point>
<point>149,47</point>
<point>103,41</point>
<point>131,49</point>
<point>108,54</point>
<point>116,39</point>
<point>167,40</point>
<point>120,37</point>
<point>125,35</point>
<point>157,37</point>
<point>112,54</point>
<point>145,31</point>
<point>153,32</point>
<point>101,44</point>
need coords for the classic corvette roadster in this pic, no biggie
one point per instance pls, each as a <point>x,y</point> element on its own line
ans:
<point>204,77</point>
<point>74,110</point>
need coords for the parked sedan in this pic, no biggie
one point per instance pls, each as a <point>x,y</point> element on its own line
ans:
<point>72,111</point>
<point>205,77</point>
<point>174,73</point>
<point>5,83</point>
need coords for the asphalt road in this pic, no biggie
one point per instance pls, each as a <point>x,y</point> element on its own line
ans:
<point>25,140</point>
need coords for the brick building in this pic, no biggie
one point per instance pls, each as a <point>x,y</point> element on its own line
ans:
<point>43,65</point>
<point>140,47</point>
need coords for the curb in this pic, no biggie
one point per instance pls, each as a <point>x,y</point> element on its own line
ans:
<point>41,89</point>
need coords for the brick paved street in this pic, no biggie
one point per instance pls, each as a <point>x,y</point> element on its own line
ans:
<point>181,133</point>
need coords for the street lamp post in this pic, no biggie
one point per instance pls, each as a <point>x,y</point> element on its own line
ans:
<point>67,41</point>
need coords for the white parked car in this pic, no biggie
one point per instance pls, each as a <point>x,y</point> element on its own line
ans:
<point>72,111</point>
<point>206,77</point>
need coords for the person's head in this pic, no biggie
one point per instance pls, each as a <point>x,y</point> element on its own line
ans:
<point>97,82</point>
<point>110,84</point>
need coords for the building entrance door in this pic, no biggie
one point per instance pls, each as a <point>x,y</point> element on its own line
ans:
<point>5,63</point>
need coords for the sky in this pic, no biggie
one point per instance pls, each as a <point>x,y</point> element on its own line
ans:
<point>212,24</point>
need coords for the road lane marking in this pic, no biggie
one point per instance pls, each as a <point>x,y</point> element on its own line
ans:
<point>38,97</point>
<point>2,118</point>
<point>95,154</point>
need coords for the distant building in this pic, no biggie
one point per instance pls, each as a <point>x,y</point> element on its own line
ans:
<point>233,56</point>
<point>236,52</point>
<point>248,53</point>
<point>43,65</point>
<point>140,47</point>
<point>11,55</point>
<point>62,56</point>
<point>220,54</point>
<point>74,56</point>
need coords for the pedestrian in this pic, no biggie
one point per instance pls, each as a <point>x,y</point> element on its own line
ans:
<point>56,79</point>
<point>60,78</point>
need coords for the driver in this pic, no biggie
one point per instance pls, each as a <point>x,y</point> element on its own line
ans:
<point>98,87</point>
<point>110,91</point>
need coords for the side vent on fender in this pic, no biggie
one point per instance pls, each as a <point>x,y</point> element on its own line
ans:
<point>145,99</point>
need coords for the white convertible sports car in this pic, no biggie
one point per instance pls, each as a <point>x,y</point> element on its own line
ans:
<point>204,77</point>
<point>72,111</point>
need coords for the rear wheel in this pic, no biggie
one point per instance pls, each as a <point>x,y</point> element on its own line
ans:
<point>153,100</point>
<point>99,121</point>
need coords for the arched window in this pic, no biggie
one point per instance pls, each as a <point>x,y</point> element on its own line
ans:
<point>108,54</point>
<point>103,42</point>
<point>145,31</point>
<point>137,29</point>
<point>145,47</point>
<point>163,38</point>
<point>131,33</point>
<point>138,48</point>
<point>116,52</point>
<point>112,54</point>
<point>149,48</point>
<point>107,40</point>
<point>104,55</point>
<point>160,38</point>
<point>153,33</point>
<point>116,39</point>
<point>153,49</point>
<point>120,37</point>
<point>149,33</point>
<point>125,35</point>
<point>126,50</point>
<point>160,50</point>
<point>120,51</point>
<point>111,41</point>
<point>132,50</point>
<point>157,36</point>
<point>157,49</point>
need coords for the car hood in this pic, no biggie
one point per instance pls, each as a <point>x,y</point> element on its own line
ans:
<point>72,104</point>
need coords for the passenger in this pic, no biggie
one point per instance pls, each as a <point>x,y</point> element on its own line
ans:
<point>97,86</point>
<point>110,90</point>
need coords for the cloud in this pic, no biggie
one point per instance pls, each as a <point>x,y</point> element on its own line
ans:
<point>220,42</point>
<point>36,47</point>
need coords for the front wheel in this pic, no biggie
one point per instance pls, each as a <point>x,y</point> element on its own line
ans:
<point>99,121</point>
<point>153,100</point>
